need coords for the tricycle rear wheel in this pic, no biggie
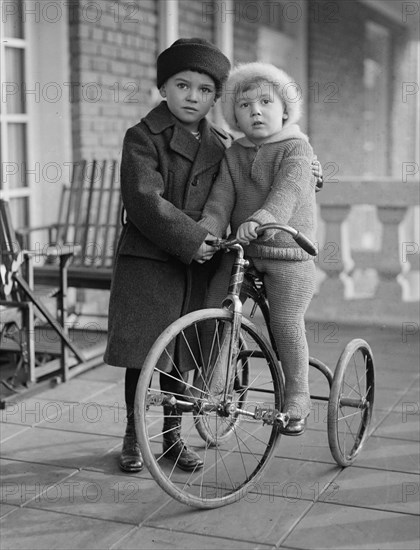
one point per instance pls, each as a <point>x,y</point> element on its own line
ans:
<point>351,402</point>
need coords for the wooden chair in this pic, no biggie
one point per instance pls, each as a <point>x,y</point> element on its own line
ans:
<point>89,217</point>
<point>28,329</point>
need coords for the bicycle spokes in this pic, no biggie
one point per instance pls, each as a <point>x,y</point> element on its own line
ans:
<point>351,402</point>
<point>230,409</point>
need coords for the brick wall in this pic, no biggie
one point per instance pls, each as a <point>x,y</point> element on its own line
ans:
<point>245,33</point>
<point>113,53</point>
<point>335,102</point>
<point>335,94</point>
<point>113,60</point>
<point>249,16</point>
<point>113,67</point>
<point>196,19</point>
<point>114,46</point>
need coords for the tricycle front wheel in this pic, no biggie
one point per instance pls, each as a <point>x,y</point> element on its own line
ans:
<point>237,410</point>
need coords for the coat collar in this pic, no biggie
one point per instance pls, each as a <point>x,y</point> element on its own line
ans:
<point>203,154</point>
<point>159,118</point>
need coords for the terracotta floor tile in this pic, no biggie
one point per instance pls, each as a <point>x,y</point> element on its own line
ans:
<point>44,530</point>
<point>390,454</point>
<point>343,527</point>
<point>60,448</point>
<point>256,518</point>
<point>10,431</point>
<point>380,489</point>
<point>162,539</point>
<point>76,390</point>
<point>90,417</point>
<point>104,373</point>
<point>403,424</point>
<point>118,497</point>
<point>22,482</point>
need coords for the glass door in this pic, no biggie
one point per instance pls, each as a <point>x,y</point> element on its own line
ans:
<point>13,113</point>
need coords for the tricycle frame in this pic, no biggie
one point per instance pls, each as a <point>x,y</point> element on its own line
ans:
<point>232,409</point>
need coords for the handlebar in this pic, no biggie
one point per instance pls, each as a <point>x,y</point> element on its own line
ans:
<point>301,239</point>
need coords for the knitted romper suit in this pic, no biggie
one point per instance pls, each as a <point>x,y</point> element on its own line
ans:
<point>272,183</point>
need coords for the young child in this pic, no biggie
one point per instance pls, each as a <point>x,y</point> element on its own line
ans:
<point>170,160</point>
<point>266,177</point>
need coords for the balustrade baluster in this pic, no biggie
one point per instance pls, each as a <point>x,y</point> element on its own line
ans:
<point>331,253</point>
<point>392,303</point>
<point>389,264</point>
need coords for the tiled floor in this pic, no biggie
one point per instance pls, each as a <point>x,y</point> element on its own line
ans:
<point>62,489</point>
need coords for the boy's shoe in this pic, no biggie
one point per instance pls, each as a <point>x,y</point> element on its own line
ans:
<point>181,455</point>
<point>174,448</point>
<point>130,459</point>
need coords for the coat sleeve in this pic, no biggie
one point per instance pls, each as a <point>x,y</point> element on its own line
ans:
<point>292,185</point>
<point>218,208</point>
<point>142,189</point>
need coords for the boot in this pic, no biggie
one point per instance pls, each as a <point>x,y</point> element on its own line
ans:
<point>130,459</point>
<point>174,448</point>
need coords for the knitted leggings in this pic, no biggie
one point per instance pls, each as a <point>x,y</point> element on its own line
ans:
<point>290,286</point>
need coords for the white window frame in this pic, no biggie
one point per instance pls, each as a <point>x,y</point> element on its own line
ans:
<point>48,124</point>
<point>6,118</point>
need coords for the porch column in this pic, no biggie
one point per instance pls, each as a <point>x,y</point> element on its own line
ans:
<point>168,23</point>
<point>223,38</point>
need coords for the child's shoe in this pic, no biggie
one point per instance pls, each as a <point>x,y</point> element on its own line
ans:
<point>298,408</point>
<point>294,427</point>
<point>130,459</point>
<point>174,448</point>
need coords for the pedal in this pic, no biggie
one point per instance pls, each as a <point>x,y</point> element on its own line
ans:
<point>271,416</point>
<point>154,399</point>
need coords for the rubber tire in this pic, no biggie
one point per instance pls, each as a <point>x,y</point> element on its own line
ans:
<point>336,419</point>
<point>172,486</point>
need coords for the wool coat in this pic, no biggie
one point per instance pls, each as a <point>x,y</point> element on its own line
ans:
<point>166,177</point>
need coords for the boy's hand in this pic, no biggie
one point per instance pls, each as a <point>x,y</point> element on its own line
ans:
<point>317,172</point>
<point>206,251</point>
<point>247,232</point>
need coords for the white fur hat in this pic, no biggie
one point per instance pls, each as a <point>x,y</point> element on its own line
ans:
<point>284,85</point>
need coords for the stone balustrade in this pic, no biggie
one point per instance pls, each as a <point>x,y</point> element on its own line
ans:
<point>388,262</point>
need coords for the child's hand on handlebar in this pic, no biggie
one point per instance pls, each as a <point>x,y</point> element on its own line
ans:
<point>247,232</point>
<point>206,251</point>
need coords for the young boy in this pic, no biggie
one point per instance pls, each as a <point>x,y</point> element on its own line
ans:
<point>266,177</point>
<point>169,162</point>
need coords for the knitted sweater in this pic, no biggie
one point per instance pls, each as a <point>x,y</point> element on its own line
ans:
<point>270,183</point>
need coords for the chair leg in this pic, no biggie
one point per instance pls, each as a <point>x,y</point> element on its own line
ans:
<point>29,337</point>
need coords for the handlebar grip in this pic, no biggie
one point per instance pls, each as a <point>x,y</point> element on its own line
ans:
<point>305,243</point>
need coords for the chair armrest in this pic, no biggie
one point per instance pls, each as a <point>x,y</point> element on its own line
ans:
<point>27,230</point>
<point>24,232</point>
<point>55,251</point>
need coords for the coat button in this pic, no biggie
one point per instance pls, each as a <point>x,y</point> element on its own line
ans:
<point>194,182</point>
